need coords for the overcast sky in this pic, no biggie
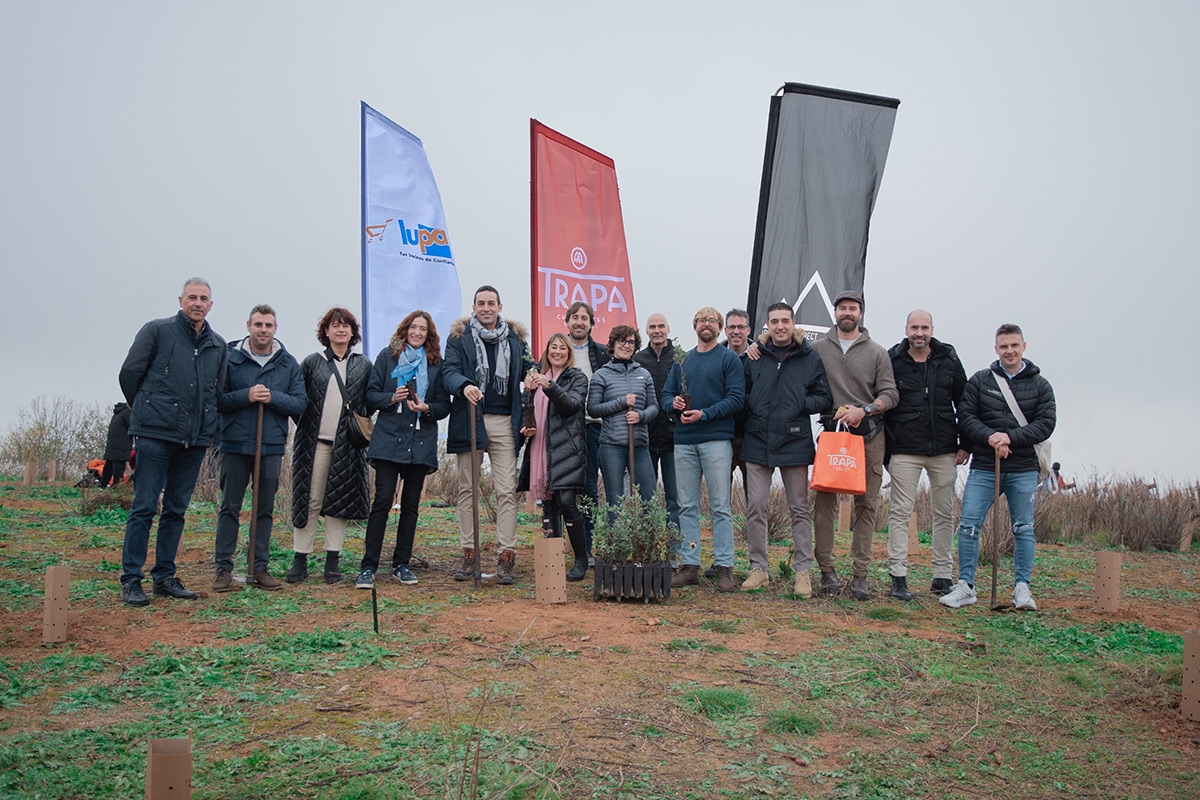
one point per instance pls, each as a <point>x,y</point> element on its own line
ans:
<point>1043,171</point>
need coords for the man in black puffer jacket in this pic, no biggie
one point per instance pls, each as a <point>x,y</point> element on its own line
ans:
<point>922,434</point>
<point>991,428</point>
<point>171,378</point>
<point>784,388</point>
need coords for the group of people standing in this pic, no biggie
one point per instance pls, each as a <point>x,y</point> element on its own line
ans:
<point>742,403</point>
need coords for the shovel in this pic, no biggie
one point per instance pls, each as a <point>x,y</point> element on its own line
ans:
<point>995,606</point>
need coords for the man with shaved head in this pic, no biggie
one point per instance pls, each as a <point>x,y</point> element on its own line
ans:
<point>922,434</point>
<point>658,357</point>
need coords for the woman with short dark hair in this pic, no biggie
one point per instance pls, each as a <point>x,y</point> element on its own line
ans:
<point>329,474</point>
<point>621,395</point>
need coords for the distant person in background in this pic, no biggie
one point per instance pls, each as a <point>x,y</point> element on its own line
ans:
<point>404,444</point>
<point>990,425</point>
<point>329,474</point>
<point>261,373</point>
<point>117,447</point>
<point>171,378</point>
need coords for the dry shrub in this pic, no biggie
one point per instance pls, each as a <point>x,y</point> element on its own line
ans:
<point>1119,512</point>
<point>779,517</point>
<point>443,485</point>
<point>55,428</point>
<point>118,496</point>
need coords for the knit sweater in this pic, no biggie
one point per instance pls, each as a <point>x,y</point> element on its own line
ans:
<point>859,376</point>
<point>717,388</point>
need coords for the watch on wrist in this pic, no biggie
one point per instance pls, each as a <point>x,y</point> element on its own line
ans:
<point>868,409</point>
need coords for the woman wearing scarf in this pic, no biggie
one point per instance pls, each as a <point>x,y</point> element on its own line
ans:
<point>621,395</point>
<point>329,474</point>
<point>404,444</point>
<point>553,469</point>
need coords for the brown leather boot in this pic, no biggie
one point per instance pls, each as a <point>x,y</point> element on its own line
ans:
<point>830,583</point>
<point>224,581</point>
<point>725,580</point>
<point>687,575</point>
<point>466,570</point>
<point>506,565</point>
<point>263,580</point>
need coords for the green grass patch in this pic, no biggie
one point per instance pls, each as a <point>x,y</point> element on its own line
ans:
<point>720,625</point>
<point>793,722</point>
<point>695,645</point>
<point>717,702</point>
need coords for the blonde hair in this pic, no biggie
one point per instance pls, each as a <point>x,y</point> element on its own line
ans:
<point>709,311</point>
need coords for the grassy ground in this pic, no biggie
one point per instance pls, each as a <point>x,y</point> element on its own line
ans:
<point>485,693</point>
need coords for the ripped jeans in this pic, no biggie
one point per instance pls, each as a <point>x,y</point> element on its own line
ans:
<point>1019,489</point>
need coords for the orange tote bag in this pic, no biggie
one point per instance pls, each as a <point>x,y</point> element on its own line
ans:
<point>841,465</point>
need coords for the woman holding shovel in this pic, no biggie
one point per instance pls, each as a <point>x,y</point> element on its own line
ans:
<point>621,395</point>
<point>553,466</point>
<point>405,387</point>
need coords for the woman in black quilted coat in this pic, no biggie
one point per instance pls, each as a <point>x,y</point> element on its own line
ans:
<point>329,474</point>
<point>553,467</point>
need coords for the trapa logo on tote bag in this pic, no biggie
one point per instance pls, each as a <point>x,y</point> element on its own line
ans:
<point>840,466</point>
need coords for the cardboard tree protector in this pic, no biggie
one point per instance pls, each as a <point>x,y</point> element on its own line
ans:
<point>845,509</point>
<point>914,539</point>
<point>58,592</point>
<point>550,574</point>
<point>1190,705</point>
<point>169,769</point>
<point>1108,581</point>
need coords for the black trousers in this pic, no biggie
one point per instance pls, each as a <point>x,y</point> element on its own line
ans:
<point>386,475</point>
<point>113,473</point>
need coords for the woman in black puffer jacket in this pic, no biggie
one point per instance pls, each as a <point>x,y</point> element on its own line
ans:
<point>555,457</point>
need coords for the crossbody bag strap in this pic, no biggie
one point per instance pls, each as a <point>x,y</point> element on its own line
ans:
<point>1008,398</point>
<point>337,376</point>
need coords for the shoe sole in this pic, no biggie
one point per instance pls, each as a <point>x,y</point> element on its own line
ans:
<point>413,582</point>
<point>968,602</point>
<point>296,578</point>
<point>158,593</point>
<point>274,588</point>
<point>364,585</point>
<point>223,589</point>
<point>136,603</point>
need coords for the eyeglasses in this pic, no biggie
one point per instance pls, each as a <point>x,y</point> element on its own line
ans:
<point>627,342</point>
<point>737,327</point>
<point>708,321</point>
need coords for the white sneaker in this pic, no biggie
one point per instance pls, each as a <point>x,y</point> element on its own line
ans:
<point>757,579</point>
<point>961,595</point>
<point>1022,598</point>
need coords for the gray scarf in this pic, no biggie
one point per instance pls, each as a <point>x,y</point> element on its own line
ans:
<point>499,334</point>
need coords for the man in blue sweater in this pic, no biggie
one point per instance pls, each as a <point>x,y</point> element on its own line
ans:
<point>704,393</point>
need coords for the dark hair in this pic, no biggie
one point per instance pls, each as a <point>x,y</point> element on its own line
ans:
<point>578,304</point>
<point>780,307</point>
<point>623,332</point>
<point>737,312</point>
<point>557,337</point>
<point>1008,328</point>
<point>485,288</point>
<point>433,343</point>
<point>262,308</point>
<point>338,314</point>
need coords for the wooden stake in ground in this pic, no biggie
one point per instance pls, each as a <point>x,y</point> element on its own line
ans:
<point>475,491</point>
<point>254,497</point>
<point>30,473</point>
<point>914,538</point>
<point>1190,705</point>
<point>58,592</point>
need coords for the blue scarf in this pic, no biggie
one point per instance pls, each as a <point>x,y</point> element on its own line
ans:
<point>412,362</point>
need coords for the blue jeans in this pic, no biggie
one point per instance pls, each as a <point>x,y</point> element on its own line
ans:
<point>237,472</point>
<point>171,470</point>
<point>1019,489</point>
<point>591,482</point>
<point>666,460</point>
<point>711,461</point>
<point>614,463</point>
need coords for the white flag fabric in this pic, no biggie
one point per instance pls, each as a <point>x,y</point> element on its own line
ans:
<point>407,257</point>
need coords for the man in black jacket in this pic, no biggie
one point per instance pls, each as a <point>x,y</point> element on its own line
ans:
<point>171,377</point>
<point>922,434</point>
<point>658,357</point>
<point>262,371</point>
<point>485,364</point>
<point>1005,411</point>
<point>784,388</point>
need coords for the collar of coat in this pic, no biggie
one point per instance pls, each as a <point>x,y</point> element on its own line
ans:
<point>459,327</point>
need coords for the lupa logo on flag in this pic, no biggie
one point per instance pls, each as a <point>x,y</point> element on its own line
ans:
<point>432,241</point>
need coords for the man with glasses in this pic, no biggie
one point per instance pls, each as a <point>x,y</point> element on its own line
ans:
<point>705,392</point>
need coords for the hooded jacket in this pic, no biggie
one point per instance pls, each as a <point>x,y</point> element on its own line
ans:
<point>171,378</point>
<point>924,422</point>
<point>347,494</point>
<point>458,372</point>
<point>239,416</point>
<point>402,435</point>
<point>781,397</point>
<point>606,402</point>
<point>118,444</point>
<point>984,411</point>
